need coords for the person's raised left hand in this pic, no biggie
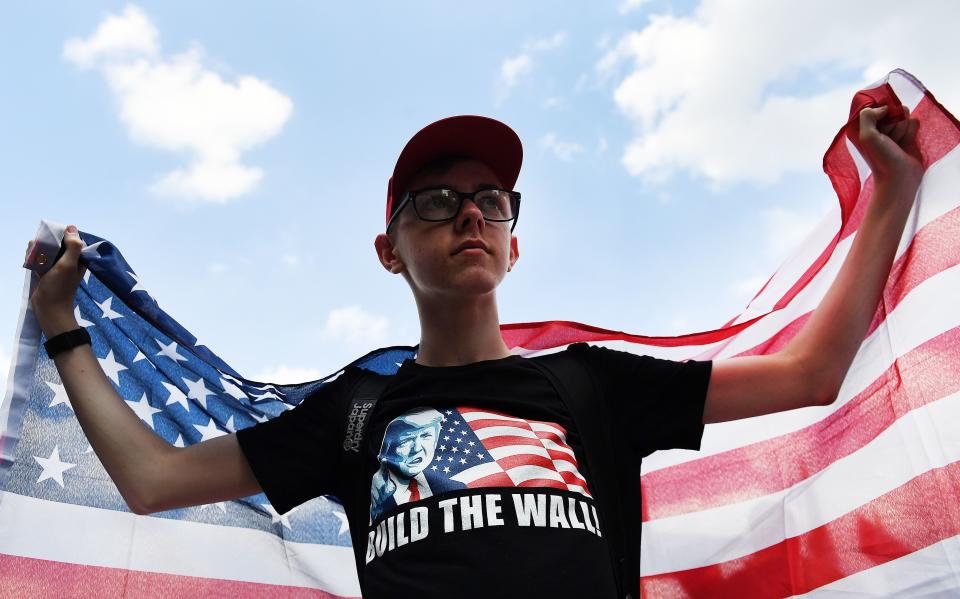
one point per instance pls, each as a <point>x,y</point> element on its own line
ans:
<point>891,150</point>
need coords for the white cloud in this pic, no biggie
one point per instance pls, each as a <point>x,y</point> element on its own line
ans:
<point>131,34</point>
<point>515,68</point>
<point>178,104</point>
<point>356,326</point>
<point>563,150</point>
<point>750,91</point>
<point>283,374</point>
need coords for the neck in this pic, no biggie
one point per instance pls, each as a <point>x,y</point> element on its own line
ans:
<point>456,331</point>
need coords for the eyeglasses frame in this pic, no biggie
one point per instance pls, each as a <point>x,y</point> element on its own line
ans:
<point>461,195</point>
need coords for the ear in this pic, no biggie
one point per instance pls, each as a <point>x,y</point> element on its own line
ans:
<point>387,254</point>
<point>514,252</point>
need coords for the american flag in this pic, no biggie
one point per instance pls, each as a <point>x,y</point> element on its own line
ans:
<point>856,499</point>
<point>483,448</point>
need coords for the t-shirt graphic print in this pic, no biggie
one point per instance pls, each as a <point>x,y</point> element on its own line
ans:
<point>427,452</point>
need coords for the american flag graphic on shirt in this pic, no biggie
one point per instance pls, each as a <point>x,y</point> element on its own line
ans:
<point>519,453</point>
<point>426,452</point>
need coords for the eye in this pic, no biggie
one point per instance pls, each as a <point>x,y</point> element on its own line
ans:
<point>494,202</point>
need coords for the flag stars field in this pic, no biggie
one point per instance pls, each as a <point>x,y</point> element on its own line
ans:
<point>53,467</point>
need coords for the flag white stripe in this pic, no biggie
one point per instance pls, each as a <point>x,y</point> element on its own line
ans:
<point>512,450</point>
<point>520,474</point>
<point>731,531</point>
<point>544,427</point>
<point>505,431</point>
<point>477,472</point>
<point>552,445</point>
<point>64,532</point>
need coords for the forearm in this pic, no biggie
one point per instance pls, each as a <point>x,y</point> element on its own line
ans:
<point>827,344</point>
<point>129,451</point>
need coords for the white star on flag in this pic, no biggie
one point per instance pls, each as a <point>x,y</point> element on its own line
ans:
<point>80,319</point>
<point>139,356</point>
<point>176,396</point>
<point>264,395</point>
<point>275,517</point>
<point>230,426</point>
<point>232,390</point>
<point>108,311</point>
<point>198,391</point>
<point>209,430</point>
<point>179,441</point>
<point>170,351</point>
<point>344,526</point>
<point>53,467</point>
<point>218,504</point>
<point>111,367</point>
<point>137,286</point>
<point>59,395</point>
<point>144,410</point>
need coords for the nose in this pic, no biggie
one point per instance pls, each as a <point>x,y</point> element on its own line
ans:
<point>469,216</point>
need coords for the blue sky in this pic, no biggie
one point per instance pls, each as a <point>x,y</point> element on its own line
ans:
<point>238,153</point>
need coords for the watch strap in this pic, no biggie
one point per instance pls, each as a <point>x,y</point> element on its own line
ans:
<point>68,340</point>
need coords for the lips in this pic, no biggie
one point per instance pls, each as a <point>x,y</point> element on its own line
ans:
<point>471,243</point>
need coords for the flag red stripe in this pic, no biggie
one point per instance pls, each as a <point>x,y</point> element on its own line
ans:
<point>29,577</point>
<point>925,374</point>
<point>500,479</point>
<point>906,519</point>
<point>526,459</point>
<point>479,424</point>
<point>926,256</point>
<point>508,440</point>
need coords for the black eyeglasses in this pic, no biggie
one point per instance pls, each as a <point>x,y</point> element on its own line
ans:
<point>437,204</point>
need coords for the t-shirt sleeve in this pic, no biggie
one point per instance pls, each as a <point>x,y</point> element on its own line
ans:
<point>661,401</point>
<point>296,456</point>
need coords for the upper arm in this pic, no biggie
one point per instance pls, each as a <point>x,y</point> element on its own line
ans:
<point>755,385</point>
<point>206,472</point>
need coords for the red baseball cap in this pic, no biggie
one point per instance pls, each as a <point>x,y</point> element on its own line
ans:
<point>482,138</point>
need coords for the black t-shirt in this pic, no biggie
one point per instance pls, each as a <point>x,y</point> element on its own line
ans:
<point>475,483</point>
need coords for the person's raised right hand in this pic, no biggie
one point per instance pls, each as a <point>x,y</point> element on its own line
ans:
<point>52,298</point>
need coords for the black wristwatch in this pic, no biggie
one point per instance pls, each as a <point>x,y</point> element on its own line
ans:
<point>68,340</point>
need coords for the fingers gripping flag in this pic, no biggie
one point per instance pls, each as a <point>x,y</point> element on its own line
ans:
<point>857,498</point>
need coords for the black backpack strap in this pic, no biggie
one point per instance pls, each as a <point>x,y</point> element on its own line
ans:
<point>606,456</point>
<point>363,398</point>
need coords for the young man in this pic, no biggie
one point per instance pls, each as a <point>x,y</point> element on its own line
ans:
<point>474,466</point>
